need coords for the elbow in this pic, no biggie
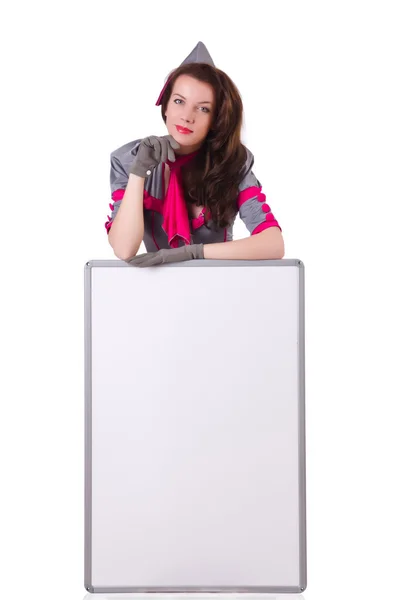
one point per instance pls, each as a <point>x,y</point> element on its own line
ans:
<point>120,251</point>
<point>276,251</point>
<point>272,243</point>
<point>124,256</point>
<point>275,255</point>
<point>282,251</point>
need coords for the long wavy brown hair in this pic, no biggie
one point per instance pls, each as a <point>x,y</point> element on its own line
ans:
<point>211,179</point>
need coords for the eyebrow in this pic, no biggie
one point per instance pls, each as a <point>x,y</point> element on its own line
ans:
<point>203,102</point>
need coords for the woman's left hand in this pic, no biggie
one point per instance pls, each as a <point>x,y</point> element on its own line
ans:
<point>167,255</point>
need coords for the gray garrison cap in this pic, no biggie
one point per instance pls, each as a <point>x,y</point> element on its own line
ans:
<point>199,54</point>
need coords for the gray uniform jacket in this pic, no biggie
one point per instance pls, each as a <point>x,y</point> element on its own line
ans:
<point>251,203</point>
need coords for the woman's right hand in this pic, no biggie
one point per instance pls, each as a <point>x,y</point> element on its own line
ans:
<point>153,150</point>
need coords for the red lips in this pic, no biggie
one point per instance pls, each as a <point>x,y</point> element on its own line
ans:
<point>183,129</point>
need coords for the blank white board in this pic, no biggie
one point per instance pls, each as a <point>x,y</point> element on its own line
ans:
<point>195,427</point>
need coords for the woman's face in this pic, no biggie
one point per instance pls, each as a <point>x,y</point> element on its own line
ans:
<point>191,105</point>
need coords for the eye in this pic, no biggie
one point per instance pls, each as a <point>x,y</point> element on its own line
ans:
<point>179,100</point>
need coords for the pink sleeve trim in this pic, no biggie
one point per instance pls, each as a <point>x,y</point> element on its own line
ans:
<point>149,202</point>
<point>118,194</point>
<point>266,225</point>
<point>250,193</point>
<point>108,223</point>
<point>152,203</point>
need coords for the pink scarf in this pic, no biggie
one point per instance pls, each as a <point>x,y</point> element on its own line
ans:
<point>176,218</point>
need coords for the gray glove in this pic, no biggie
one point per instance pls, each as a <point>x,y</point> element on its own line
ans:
<point>153,150</point>
<point>168,255</point>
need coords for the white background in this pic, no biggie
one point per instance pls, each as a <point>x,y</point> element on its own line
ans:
<point>318,82</point>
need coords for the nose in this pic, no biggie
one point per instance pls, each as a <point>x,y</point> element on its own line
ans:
<point>188,118</point>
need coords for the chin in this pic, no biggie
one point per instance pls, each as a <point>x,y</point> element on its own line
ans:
<point>181,139</point>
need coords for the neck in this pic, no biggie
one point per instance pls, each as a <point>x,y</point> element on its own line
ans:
<point>184,158</point>
<point>187,150</point>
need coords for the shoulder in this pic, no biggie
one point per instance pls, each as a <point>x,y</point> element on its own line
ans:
<point>121,160</point>
<point>249,160</point>
<point>127,152</point>
<point>248,178</point>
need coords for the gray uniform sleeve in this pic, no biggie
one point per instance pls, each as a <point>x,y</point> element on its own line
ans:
<point>121,161</point>
<point>252,205</point>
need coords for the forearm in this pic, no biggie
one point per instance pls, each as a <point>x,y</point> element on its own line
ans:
<point>267,244</point>
<point>126,234</point>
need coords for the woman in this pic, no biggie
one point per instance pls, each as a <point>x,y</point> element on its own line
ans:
<point>181,193</point>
